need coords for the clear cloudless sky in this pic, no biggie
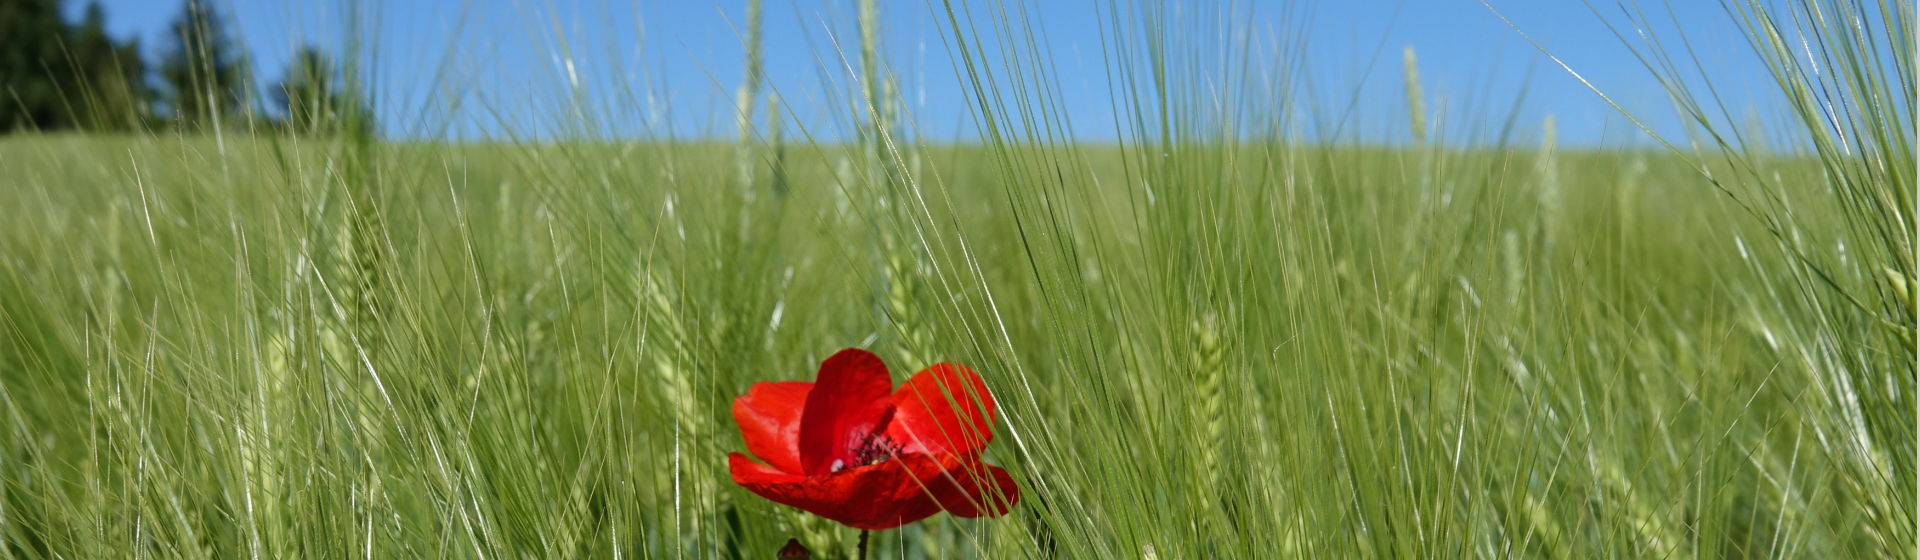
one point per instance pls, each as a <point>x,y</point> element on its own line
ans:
<point>513,68</point>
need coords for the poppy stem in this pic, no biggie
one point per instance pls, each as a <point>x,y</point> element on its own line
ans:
<point>863,544</point>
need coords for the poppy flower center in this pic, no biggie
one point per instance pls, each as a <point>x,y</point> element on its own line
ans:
<point>874,449</point>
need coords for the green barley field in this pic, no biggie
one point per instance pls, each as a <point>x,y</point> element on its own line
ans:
<point>1228,336</point>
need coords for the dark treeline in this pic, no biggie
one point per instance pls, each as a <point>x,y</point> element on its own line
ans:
<point>57,74</point>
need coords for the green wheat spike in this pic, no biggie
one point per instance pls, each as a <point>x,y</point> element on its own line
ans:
<point>1416,106</point>
<point>747,97</point>
<point>777,143</point>
<point>1208,361</point>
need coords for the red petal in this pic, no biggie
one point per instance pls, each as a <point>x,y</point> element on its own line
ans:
<point>972,488</point>
<point>848,404</point>
<point>769,418</point>
<point>748,473</point>
<point>943,409</point>
<point>880,496</point>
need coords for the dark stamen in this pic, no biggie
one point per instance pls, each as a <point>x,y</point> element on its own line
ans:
<point>875,449</point>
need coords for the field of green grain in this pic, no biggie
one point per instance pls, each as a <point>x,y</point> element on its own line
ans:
<point>1219,338</point>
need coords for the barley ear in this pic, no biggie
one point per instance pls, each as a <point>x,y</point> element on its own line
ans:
<point>1416,107</point>
<point>747,97</point>
<point>1208,360</point>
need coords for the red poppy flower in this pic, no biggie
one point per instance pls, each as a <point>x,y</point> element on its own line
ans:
<point>849,448</point>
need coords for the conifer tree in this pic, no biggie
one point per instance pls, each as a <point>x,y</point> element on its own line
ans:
<point>30,39</point>
<point>204,71</point>
<point>312,96</point>
<point>110,78</point>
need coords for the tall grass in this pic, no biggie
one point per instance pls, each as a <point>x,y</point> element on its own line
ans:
<point>1844,70</point>
<point>1234,333</point>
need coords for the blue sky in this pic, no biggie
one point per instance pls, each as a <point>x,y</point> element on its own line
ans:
<point>495,68</point>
